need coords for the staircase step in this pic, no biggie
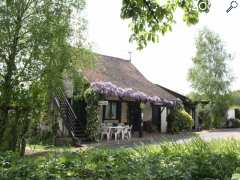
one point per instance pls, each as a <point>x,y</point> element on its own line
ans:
<point>68,116</point>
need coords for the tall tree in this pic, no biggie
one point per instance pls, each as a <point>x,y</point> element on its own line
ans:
<point>34,52</point>
<point>150,18</point>
<point>210,75</point>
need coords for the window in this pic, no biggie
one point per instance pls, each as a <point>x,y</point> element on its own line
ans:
<point>110,111</point>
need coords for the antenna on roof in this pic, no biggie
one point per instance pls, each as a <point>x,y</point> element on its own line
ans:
<point>130,55</point>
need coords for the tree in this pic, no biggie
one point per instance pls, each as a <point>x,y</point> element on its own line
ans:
<point>210,75</point>
<point>35,51</point>
<point>235,98</point>
<point>150,18</point>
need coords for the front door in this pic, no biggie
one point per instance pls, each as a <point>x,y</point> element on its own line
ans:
<point>79,107</point>
<point>156,117</point>
<point>134,116</point>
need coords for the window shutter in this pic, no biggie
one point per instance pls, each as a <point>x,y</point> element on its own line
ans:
<point>103,113</point>
<point>119,111</point>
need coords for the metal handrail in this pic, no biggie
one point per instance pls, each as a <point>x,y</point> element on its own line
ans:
<point>65,98</point>
<point>61,100</point>
<point>65,102</point>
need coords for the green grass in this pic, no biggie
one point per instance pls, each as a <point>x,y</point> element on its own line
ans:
<point>38,149</point>
<point>218,159</point>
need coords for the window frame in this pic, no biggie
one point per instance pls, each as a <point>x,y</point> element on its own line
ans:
<point>104,118</point>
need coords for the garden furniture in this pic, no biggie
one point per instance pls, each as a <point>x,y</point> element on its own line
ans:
<point>105,131</point>
<point>126,133</point>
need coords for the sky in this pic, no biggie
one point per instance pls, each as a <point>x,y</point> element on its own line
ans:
<point>166,63</point>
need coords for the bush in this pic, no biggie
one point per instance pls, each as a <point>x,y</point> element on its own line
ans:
<point>233,123</point>
<point>179,120</point>
<point>204,116</point>
<point>236,123</point>
<point>237,113</point>
<point>194,160</point>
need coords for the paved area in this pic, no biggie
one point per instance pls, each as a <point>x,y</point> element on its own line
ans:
<point>183,137</point>
<point>220,134</point>
<point>153,138</point>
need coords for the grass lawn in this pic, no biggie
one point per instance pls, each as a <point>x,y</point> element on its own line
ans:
<point>218,159</point>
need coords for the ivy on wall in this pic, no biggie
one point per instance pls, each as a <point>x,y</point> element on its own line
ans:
<point>92,110</point>
<point>83,91</point>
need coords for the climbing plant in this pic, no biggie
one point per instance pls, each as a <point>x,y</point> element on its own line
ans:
<point>92,110</point>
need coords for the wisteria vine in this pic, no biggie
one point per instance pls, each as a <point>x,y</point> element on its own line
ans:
<point>110,89</point>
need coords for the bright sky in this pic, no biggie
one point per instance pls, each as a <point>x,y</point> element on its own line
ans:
<point>167,62</point>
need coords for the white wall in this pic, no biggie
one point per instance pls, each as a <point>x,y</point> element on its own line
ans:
<point>164,121</point>
<point>68,87</point>
<point>62,128</point>
<point>147,112</point>
<point>231,114</point>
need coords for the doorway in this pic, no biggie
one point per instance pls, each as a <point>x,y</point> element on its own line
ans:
<point>156,117</point>
<point>134,117</point>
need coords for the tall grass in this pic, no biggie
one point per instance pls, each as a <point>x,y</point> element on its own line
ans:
<point>218,159</point>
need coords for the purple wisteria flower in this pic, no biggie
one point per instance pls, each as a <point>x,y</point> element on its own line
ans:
<point>110,89</point>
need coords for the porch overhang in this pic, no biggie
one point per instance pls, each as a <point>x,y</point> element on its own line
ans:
<point>109,89</point>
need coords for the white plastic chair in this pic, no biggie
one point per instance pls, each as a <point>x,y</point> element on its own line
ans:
<point>117,132</point>
<point>106,131</point>
<point>127,132</point>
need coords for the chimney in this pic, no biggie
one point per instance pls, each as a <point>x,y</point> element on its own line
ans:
<point>130,56</point>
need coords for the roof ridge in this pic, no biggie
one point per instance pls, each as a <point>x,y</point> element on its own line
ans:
<point>113,58</point>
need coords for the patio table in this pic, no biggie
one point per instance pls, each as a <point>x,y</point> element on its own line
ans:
<point>112,128</point>
<point>116,128</point>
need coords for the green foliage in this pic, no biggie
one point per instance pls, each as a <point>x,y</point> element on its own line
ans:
<point>233,123</point>
<point>150,18</point>
<point>80,85</point>
<point>236,175</point>
<point>92,109</point>
<point>210,75</point>
<point>236,123</point>
<point>83,91</point>
<point>218,159</point>
<point>34,52</point>
<point>235,96</point>
<point>237,113</point>
<point>204,116</point>
<point>179,120</point>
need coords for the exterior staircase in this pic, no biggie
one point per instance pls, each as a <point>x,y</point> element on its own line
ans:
<point>69,117</point>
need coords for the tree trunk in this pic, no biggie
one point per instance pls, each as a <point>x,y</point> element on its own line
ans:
<point>10,134</point>
<point>7,126</point>
<point>22,147</point>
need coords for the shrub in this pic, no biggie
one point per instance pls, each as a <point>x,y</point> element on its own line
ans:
<point>233,123</point>
<point>204,116</point>
<point>194,160</point>
<point>237,113</point>
<point>179,120</point>
<point>236,123</point>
